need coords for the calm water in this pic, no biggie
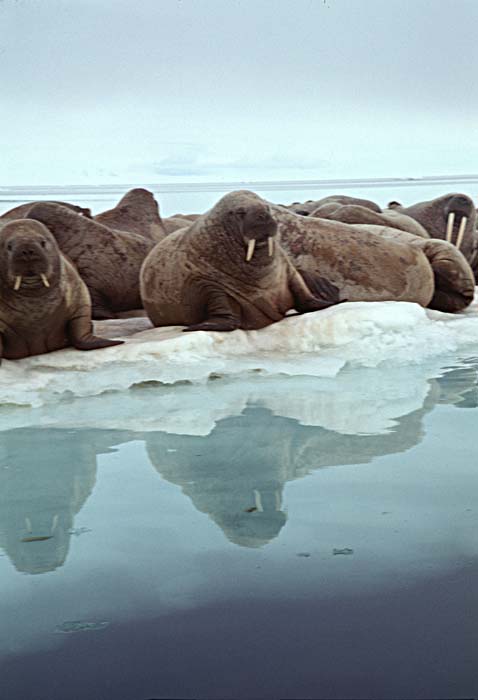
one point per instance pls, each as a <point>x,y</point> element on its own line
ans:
<point>330,555</point>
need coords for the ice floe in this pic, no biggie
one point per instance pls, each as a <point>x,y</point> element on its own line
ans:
<point>320,344</point>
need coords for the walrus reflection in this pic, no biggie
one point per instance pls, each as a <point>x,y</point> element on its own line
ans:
<point>46,476</point>
<point>237,473</point>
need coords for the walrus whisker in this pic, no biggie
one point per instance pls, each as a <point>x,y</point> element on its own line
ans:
<point>250,249</point>
<point>258,501</point>
<point>270,243</point>
<point>44,279</point>
<point>461,232</point>
<point>18,283</point>
<point>449,225</point>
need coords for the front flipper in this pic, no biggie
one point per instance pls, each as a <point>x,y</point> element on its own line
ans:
<point>81,335</point>
<point>219,313</point>
<point>312,293</point>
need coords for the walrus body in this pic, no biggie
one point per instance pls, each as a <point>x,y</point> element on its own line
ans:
<point>306,208</point>
<point>356,214</point>
<point>137,212</point>
<point>108,261</point>
<point>451,217</point>
<point>21,212</point>
<point>44,304</point>
<point>375,263</point>
<point>174,223</point>
<point>226,271</point>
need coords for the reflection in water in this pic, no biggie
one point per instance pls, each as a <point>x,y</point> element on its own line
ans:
<point>236,474</point>
<point>45,478</point>
<point>460,386</point>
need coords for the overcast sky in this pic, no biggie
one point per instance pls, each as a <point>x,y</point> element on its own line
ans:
<point>185,90</point>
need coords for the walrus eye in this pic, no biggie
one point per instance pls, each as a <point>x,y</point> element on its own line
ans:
<point>9,246</point>
<point>43,244</point>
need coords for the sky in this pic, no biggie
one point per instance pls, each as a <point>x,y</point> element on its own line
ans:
<point>157,91</point>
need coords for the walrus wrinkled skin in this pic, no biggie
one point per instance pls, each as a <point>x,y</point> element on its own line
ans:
<point>306,208</point>
<point>451,217</point>
<point>226,271</point>
<point>137,212</point>
<point>356,214</point>
<point>21,212</point>
<point>44,304</point>
<point>375,263</point>
<point>108,261</point>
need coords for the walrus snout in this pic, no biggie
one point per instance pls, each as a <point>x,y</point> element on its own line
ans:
<point>457,212</point>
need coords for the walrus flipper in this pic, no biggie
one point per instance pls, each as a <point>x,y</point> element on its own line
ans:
<point>82,338</point>
<point>219,314</point>
<point>313,293</point>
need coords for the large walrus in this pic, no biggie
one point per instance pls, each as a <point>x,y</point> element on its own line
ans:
<point>306,208</point>
<point>226,271</point>
<point>451,217</point>
<point>376,263</point>
<point>137,212</point>
<point>21,212</point>
<point>44,304</point>
<point>108,261</point>
<point>356,214</point>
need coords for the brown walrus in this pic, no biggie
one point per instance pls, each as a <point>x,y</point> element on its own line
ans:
<point>137,212</point>
<point>356,214</point>
<point>451,217</point>
<point>306,208</point>
<point>44,304</point>
<point>226,271</point>
<point>375,263</point>
<point>108,261</point>
<point>174,223</point>
<point>21,212</point>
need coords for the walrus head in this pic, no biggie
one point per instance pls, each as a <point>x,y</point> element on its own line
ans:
<point>248,220</point>
<point>448,217</point>
<point>29,256</point>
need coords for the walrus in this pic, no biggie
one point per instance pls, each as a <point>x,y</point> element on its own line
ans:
<point>226,271</point>
<point>451,217</point>
<point>376,263</point>
<point>44,304</point>
<point>21,212</point>
<point>137,212</point>
<point>356,214</point>
<point>306,208</point>
<point>174,223</point>
<point>108,261</point>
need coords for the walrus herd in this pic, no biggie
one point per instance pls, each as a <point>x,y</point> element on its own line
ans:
<point>243,264</point>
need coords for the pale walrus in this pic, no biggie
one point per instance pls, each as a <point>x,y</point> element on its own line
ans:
<point>44,304</point>
<point>375,263</point>
<point>21,212</point>
<point>306,208</point>
<point>226,271</point>
<point>109,261</point>
<point>451,217</point>
<point>137,212</point>
<point>356,214</point>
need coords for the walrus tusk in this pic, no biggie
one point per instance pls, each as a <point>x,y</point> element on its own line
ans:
<point>449,225</point>
<point>270,243</point>
<point>18,283</point>
<point>45,280</point>
<point>258,501</point>
<point>250,249</point>
<point>461,232</point>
